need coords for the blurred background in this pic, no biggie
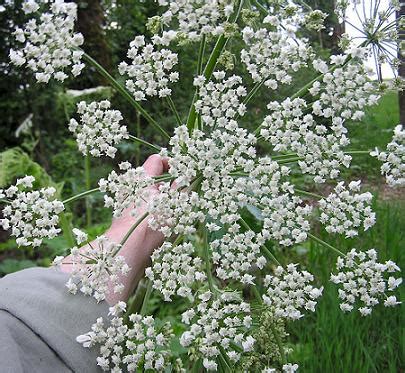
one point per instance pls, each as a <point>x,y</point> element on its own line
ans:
<point>34,139</point>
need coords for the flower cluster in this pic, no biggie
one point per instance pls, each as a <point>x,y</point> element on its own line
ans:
<point>290,127</point>
<point>197,17</point>
<point>269,56</point>
<point>99,128</point>
<point>394,158</point>
<point>32,215</point>
<point>50,44</point>
<point>219,101</point>
<point>126,190</point>
<point>141,344</point>
<point>174,270</point>
<point>363,282</point>
<point>217,324</point>
<point>345,89</point>
<point>235,255</point>
<point>149,73</point>
<point>289,291</point>
<point>344,210</point>
<point>96,268</point>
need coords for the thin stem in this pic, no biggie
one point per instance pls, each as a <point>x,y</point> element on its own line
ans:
<point>174,110</point>
<point>80,195</point>
<point>5,201</point>
<point>87,167</point>
<point>208,262</point>
<point>134,226</point>
<point>137,301</point>
<point>146,298</point>
<point>357,152</point>
<point>143,142</point>
<point>308,194</point>
<point>66,229</point>
<point>125,94</point>
<point>323,243</point>
<point>201,55</point>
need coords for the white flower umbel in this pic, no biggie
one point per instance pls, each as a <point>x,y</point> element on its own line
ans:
<point>96,269</point>
<point>393,158</point>
<point>149,73</point>
<point>345,90</point>
<point>285,218</point>
<point>49,43</point>
<point>219,100</point>
<point>174,211</point>
<point>99,129</point>
<point>237,254</point>
<point>197,17</point>
<point>345,210</point>
<point>291,126</point>
<point>363,281</point>
<point>289,292</point>
<point>32,215</point>
<point>215,324</point>
<point>128,189</point>
<point>140,344</point>
<point>174,270</point>
<point>271,56</point>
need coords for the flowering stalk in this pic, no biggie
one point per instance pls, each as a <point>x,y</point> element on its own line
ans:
<point>80,195</point>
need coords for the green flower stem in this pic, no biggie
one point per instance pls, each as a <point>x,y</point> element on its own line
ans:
<point>290,160</point>
<point>87,167</point>
<point>358,152</point>
<point>200,62</point>
<point>5,201</point>
<point>282,156</point>
<point>209,68</point>
<point>201,51</point>
<point>143,142</point>
<point>307,194</point>
<point>131,230</point>
<point>174,110</point>
<point>125,94</point>
<point>265,250</point>
<point>66,229</point>
<point>146,298</point>
<point>137,300</point>
<point>251,94</point>
<point>80,195</point>
<point>207,259</point>
<point>323,243</point>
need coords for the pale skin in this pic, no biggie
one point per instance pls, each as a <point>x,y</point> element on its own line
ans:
<point>141,243</point>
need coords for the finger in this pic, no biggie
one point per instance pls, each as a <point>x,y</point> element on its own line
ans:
<point>154,165</point>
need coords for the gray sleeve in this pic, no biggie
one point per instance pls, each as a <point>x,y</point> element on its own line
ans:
<point>39,317</point>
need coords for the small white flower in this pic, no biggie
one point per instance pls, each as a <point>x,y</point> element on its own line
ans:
<point>289,291</point>
<point>49,43</point>
<point>99,129</point>
<point>32,215</point>
<point>362,282</point>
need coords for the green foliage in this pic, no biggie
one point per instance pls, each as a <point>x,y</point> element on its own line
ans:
<point>16,163</point>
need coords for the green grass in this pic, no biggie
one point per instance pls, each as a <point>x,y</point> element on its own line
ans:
<point>330,341</point>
